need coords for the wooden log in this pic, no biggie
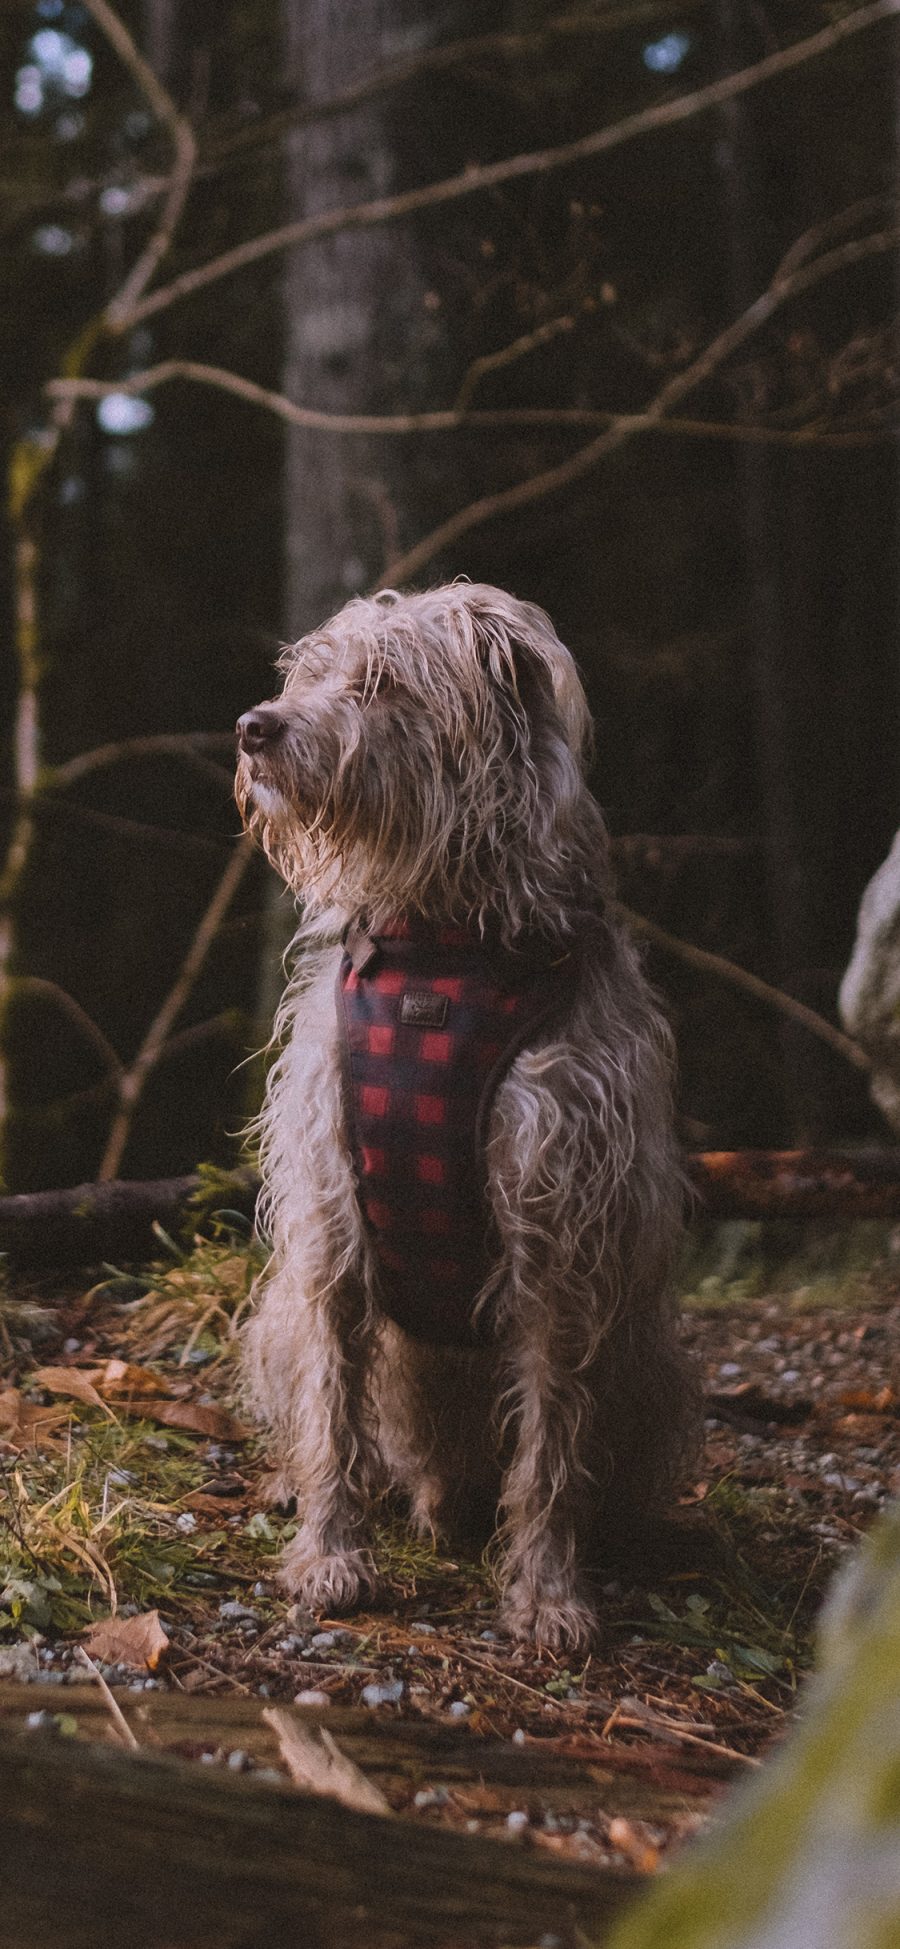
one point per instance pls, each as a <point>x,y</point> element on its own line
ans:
<point>88,1224</point>
<point>159,1851</point>
<point>641,1781</point>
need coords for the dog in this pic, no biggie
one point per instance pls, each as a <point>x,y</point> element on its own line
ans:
<point>479,1317</point>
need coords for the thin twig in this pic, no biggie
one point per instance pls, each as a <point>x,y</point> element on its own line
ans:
<point>537,486</point>
<point>120,1722</point>
<point>446,420</point>
<point>518,348</point>
<point>511,169</point>
<point>134,1079</point>
<point>436,60</point>
<point>750,984</point>
<point>91,1030</point>
<point>187,745</point>
<point>185,152</point>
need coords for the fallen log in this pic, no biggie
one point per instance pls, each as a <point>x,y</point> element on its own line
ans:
<point>89,1224</point>
<point>178,1853</point>
<point>641,1781</point>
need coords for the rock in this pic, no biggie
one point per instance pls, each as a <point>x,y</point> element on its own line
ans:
<point>459,1709</point>
<point>388,1693</point>
<point>311,1697</point>
<point>517,1821</point>
<point>869,998</point>
<point>19,1661</point>
<point>235,1613</point>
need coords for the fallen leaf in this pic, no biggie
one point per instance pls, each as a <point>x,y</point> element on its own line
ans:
<point>138,1641</point>
<point>29,1424</point>
<point>76,1382</point>
<point>864,1400</point>
<point>217,1506</point>
<point>633,1839</point>
<point>320,1766</point>
<point>119,1377</point>
<point>197,1417</point>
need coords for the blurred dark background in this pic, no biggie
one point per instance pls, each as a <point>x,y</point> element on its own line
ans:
<point>728,584</point>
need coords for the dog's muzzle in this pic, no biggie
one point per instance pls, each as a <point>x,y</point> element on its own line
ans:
<point>259,730</point>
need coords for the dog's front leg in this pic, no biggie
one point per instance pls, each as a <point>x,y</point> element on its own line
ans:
<point>544,1598</point>
<point>310,1357</point>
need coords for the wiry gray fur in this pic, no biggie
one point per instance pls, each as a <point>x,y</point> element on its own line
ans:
<point>430,760</point>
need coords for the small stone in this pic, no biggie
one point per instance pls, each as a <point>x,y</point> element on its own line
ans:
<point>186,1522</point>
<point>291,1646</point>
<point>790,1376</point>
<point>518,1738</point>
<point>488,1637</point>
<point>323,1641</point>
<point>51,1678</point>
<point>40,1722</point>
<point>235,1613</point>
<point>238,1761</point>
<point>718,1669</point>
<point>431,1797</point>
<point>729,1370</point>
<point>159,1443</point>
<point>71,1345</point>
<point>459,1709</point>
<point>311,1697</point>
<point>517,1821</point>
<point>386,1694</point>
<point>19,1661</point>
<point>265,1691</point>
<point>834,1479</point>
<point>259,1590</point>
<point>420,1624</point>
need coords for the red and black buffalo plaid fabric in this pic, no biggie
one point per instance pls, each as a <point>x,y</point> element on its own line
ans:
<point>429,1021</point>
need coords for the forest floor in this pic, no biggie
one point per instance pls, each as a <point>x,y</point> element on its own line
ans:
<point>132,1524</point>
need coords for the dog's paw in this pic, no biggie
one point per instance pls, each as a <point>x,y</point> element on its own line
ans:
<point>552,1624</point>
<point>327,1584</point>
<point>276,1492</point>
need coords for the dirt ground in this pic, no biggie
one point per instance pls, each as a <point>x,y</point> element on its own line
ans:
<point>131,1523</point>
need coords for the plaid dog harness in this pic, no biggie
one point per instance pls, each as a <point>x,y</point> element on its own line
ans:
<point>429,1021</point>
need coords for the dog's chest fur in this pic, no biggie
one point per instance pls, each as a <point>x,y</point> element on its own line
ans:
<point>429,1021</point>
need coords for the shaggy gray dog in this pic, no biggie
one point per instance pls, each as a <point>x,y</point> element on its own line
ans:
<point>420,773</point>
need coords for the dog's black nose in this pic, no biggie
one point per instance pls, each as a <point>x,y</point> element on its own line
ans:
<point>258,728</point>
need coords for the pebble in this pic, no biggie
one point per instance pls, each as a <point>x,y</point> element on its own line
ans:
<point>291,1645</point>
<point>729,1370</point>
<point>324,1640</point>
<point>40,1721</point>
<point>459,1709</point>
<point>311,1697</point>
<point>518,1738</point>
<point>517,1821</point>
<point>71,1346</point>
<point>790,1376</point>
<point>419,1624</point>
<point>186,1522</point>
<point>834,1479</point>
<point>234,1613</point>
<point>488,1637</point>
<point>386,1694</point>
<point>431,1797</point>
<point>238,1761</point>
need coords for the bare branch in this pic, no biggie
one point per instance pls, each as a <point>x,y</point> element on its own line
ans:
<point>735,335</point>
<point>91,1030</point>
<point>448,420</point>
<point>185,153</point>
<point>518,348</point>
<point>134,1079</point>
<point>488,176</point>
<point>750,984</point>
<point>506,46</point>
<point>188,745</point>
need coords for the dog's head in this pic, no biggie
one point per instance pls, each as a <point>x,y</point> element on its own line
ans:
<point>425,755</point>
